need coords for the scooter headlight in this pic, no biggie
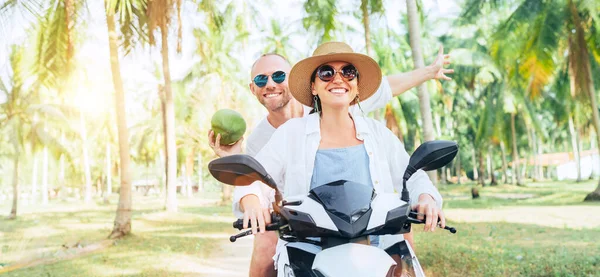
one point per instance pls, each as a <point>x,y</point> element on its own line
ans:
<point>288,271</point>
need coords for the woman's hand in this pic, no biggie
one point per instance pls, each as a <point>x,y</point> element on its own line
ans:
<point>258,216</point>
<point>223,150</point>
<point>427,208</point>
<point>438,65</point>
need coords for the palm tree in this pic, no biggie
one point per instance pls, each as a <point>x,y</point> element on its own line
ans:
<point>128,11</point>
<point>367,8</point>
<point>544,28</point>
<point>159,17</point>
<point>424,103</point>
<point>17,117</point>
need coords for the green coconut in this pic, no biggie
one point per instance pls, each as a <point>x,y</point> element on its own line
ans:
<point>230,124</point>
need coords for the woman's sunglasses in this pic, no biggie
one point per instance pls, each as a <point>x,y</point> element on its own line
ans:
<point>326,72</point>
<point>262,79</point>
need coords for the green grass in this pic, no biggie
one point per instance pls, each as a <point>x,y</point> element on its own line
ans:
<point>512,249</point>
<point>503,249</point>
<point>178,244</point>
<point>159,239</point>
<point>534,194</point>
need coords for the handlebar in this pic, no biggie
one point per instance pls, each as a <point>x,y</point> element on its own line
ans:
<point>276,223</point>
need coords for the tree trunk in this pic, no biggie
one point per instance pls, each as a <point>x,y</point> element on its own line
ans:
<point>122,225</point>
<point>86,162</point>
<point>474,161</point>
<point>504,163</point>
<point>444,176</point>
<point>538,157</point>
<point>226,191</point>
<point>34,178</point>
<point>189,171</point>
<point>200,181</point>
<point>582,75</point>
<point>488,164</point>
<point>424,103</point>
<point>171,204</point>
<point>515,152</point>
<point>163,175</point>
<point>108,174</point>
<point>438,124</point>
<point>493,181</point>
<point>183,173</point>
<point>61,171</point>
<point>45,177</point>
<point>540,153</point>
<point>364,7</point>
<point>481,179</point>
<point>458,167</point>
<point>13,210</point>
<point>529,168</point>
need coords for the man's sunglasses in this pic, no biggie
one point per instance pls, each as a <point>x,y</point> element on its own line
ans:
<point>262,79</point>
<point>326,72</point>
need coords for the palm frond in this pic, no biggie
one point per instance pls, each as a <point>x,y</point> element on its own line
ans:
<point>320,17</point>
<point>48,111</point>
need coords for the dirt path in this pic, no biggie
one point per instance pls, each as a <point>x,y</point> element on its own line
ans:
<point>229,260</point>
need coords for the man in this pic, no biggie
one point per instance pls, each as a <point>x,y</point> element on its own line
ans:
<point>270,86</point>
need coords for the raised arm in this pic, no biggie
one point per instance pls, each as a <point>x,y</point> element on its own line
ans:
<point>395,84</point>
<point>402,82</point>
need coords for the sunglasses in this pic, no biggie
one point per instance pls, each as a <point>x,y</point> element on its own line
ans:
<point>262,79</point>
<point>326,72</point>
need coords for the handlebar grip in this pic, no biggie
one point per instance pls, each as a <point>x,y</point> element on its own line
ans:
<point>239,224</point>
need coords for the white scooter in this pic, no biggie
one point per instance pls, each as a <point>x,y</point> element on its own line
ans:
<point>327,232</point>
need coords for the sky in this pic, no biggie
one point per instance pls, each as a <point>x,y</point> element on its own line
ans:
<point>138,67</point>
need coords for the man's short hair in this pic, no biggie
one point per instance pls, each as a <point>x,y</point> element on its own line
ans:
<point>269,54</point>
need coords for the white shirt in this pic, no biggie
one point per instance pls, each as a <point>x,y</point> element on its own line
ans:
<point>289,158</point>
<point>264,130</point>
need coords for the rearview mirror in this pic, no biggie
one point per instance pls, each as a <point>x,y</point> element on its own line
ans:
<point>431,155</point>
<point>239,170</point>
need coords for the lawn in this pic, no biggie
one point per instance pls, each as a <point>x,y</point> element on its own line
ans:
<point>549,240</point>
<point>162,243</point>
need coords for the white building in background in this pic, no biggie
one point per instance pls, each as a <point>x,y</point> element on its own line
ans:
<point>590,164</point>
<point>561,165</point>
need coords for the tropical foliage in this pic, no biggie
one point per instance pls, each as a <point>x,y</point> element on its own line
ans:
<point>525,86</point>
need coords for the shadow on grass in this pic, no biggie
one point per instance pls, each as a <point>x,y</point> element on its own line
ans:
<point>136,255</point>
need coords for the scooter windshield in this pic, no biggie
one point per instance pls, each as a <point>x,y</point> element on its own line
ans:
<point>346,200</point>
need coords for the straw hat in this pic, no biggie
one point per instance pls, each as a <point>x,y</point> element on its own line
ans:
<point>368,70</point>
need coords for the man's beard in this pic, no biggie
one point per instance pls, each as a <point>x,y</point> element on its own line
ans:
<point>277,106</point>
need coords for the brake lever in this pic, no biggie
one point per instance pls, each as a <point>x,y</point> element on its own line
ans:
<point>242,234</point>
<point>413,220</point>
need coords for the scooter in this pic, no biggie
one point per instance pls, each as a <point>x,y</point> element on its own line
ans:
<point>328,232</point>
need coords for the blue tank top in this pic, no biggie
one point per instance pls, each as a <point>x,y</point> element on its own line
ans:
<point>348,163</point>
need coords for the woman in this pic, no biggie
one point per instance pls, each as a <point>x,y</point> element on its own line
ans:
<point>333,144</point>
